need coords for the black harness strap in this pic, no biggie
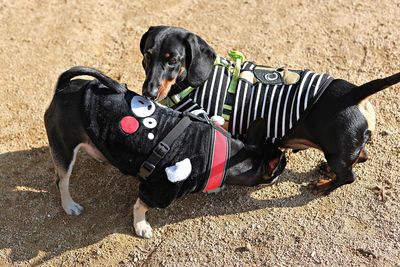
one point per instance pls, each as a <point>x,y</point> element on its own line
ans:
<point>162,148</point>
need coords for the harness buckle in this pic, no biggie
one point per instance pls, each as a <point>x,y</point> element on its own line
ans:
<point>146,169</point>
<point>161,149</point>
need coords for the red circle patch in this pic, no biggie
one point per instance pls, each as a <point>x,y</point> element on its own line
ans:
<point>129,124</point>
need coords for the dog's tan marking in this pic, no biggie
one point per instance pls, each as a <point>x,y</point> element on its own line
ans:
<point>299,144</point>
<point>362,156</point>
<point>94,152</point>
<point>165,88</point>
<point>321,185</point>
<point>322,182</point>
<point>142,227</point>
<point>181,70</point>
<point>167,55</point>
<point>271,166</point>
<point>367,109</point>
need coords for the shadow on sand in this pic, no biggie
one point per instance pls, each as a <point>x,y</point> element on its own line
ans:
<point>32,219</point>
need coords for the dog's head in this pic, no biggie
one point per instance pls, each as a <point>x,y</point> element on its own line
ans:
<point>274,159</point>
<point>170,55</point>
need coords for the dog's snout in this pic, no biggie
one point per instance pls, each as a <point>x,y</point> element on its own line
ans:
<point>150,90</point>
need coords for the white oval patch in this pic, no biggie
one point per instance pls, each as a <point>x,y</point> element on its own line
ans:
<point>150,136</point>
<point>149,123</point>
<point>142,107</point>
<point>180,171</point>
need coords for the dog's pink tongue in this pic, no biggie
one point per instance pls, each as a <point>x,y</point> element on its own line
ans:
<point>129,124</point>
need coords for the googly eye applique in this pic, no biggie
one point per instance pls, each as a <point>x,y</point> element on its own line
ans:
<point>142,107</point>
<point>129,124</point>
<point>149,123</point>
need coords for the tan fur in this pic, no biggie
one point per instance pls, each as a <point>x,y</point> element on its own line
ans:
<point>165,88</point>
<point>142,227</point>
<point>368,112</point>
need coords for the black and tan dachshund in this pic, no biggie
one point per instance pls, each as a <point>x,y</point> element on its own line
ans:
<point>339,124</point>
<point>173,153</point>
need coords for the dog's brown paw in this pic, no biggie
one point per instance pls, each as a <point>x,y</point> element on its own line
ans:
<point>322,187</point>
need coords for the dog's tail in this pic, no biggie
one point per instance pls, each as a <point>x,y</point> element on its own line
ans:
<point>66,76</point>
<point>361,92</point>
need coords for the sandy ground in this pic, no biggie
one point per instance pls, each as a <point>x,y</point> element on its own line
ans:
<point>280,225</point>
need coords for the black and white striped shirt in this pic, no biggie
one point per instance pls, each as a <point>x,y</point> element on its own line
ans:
<point>281,106</point>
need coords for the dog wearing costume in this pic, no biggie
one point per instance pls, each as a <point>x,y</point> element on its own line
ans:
<point>172,153</point>
<point>301,109</point>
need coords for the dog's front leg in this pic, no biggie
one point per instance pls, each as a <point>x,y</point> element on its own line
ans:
<point>142,227</point>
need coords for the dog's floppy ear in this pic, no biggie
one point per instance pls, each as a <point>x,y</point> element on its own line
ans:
<point>256,133</point>
<point>144,39</point>
<point>200,60</point>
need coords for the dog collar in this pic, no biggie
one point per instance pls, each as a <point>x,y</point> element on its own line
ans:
<point>218,161</point>
<point>186,89</point>
<point>162,148</point>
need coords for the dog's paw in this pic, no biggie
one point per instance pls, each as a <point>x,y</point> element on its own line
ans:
<point>322,187</point>
<point>324,169</point>
<point>143,229</point>
<point>73,208</point>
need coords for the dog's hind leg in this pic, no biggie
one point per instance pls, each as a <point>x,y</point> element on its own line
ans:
<point>341,174</point>
<point>64,162</point>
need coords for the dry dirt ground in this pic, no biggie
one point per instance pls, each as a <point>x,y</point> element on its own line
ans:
<point>280,225</point>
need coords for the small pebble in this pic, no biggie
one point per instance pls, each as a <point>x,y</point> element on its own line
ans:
<point>248,246</point>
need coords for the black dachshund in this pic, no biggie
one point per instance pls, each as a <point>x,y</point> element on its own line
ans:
<point>339,124</point>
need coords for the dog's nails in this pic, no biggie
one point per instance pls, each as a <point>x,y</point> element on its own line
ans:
<point>143,229</point>
<point>73,208</point>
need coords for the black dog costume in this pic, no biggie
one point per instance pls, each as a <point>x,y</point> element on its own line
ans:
<point>173,153</point>
<point>109,120</point>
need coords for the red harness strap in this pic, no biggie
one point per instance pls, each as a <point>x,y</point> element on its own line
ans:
<point>218,163</point>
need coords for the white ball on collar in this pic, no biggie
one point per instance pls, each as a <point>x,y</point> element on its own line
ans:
<point>218,120</point>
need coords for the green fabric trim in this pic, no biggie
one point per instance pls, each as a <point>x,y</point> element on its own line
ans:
<point>185,92</point>
<point>227,107</point>
<point>175,99</point>
<point>168,102</point>
<point>217,60</point>
<point>226,117</point>
<point>238,58</point>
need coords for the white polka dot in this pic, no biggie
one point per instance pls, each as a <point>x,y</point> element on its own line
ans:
<point>149,123</point>
<point>142,107</point>
<point>150,136</point>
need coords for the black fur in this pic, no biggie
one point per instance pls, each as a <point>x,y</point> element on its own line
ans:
<point>90,111</point>
<point>335,124</point>
<point>194,58</point>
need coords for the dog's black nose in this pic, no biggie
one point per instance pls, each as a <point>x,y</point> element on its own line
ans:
<point>150,90</point>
